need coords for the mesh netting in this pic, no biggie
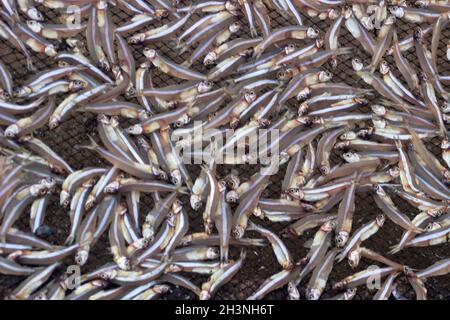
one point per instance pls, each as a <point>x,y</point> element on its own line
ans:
<point>260,262</point>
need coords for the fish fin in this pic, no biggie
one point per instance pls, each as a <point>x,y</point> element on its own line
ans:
<point>70,239</point>
<point>395,249</point>
<point>308,243</point>
<point>183,190</point>
<point>91,146</point>
<point>344,50</point>
<point>186,64</point>
<point>340,257</point>
<point>251,226</point>
<point>204,168</point>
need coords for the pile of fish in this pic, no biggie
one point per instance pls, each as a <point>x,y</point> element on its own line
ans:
<point>335,141</point>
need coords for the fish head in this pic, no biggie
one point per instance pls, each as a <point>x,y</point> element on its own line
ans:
<point>212,253</point>
<point>397,11</point>
<point>349,294</point>
<point>102,5</point>
<point>161,13</point>
<point>432,226</point>
<point>35,26</point>
<point>328,226</point>
<point>108,274</point>
<point>354,257</point>
<point>333,14</point>
<point>422,3</point>
<point>379,122</point>
<point>384,67</point>
<point>377,189</point>
<point>325,76</point>
<point>112,187</point>
<point>232,196</point>
<point>64,198</point>
<point>304,120</point>
<point>446,107</point>
<point>418,33</point>
<point>234,27</point>
<point>250,97</point>
<point>351,157</point>
<point>204,86</point>
<point>390,20</point>
<point>204,295</point>
<point>313,294</point>
<point>379,110</point>
<point>195,201</point>
<point>295,193</point>
<point>12,131</point>
<point>50,50</point>
<point>232,181</point>
<point>103,118</point>
<point>293,292</point>
<point>367,23</point>
<point>380,220</point>
<point>141,243</point>
<point>48,183</point>
<point>123,263</point>
<point>394,172</point>
<point>324,168</point>
<point>357,64</point>
<point>73,43</point>
<point>161,288</point>
<point>210,58</point>
<point>77,85</point>
<point>304,94</point>
<point>35,14</point>
<point>238,232</point>
<point>177,206</point>
<point>289,48</point>
<point>365,133</point>
<point>319,43</point>
<point>349,135</point>
<point>303,108</point>
<point>446,177</point>
<point>232,6</point>
<point>341,239</point>
<point>445,144</point>
<point>135,129</point>
<point>312,32</point>
<point>348,13</point>
<point>137,38</point>
<point>182,121</point>
<point>148,234</point>
<point>99,283</point>
<point>222,184</point>
<point>361,101</point>
<point>81,257</point>
<point>285,74</point>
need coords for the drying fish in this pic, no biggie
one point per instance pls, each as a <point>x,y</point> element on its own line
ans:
<point>221,83</point>
<point>220,277</point>
<point>283,256</point>
<point>171,68</point>
<point>363,233</point>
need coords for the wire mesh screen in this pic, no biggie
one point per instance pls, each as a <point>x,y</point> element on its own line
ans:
<point>260,262</point>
